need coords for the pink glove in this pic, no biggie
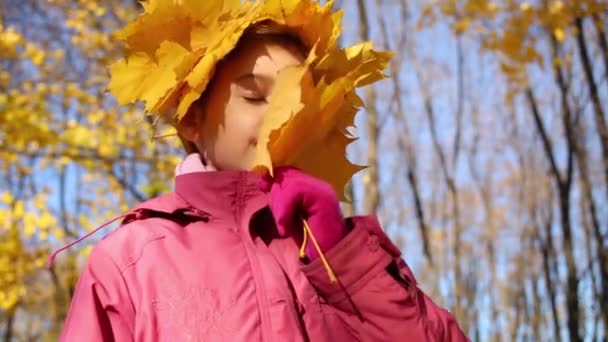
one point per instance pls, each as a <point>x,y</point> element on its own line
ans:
<point>294,196</point>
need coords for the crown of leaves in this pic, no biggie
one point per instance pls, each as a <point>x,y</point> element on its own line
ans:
<point>173,47</point>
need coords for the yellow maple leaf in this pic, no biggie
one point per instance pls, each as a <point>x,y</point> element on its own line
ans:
<point>206,10</point>
<point>283,106</point>
<point>163,20</point>
<point>140,77</point>
<point>307,124</point>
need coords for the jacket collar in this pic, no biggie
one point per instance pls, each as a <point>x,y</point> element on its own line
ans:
<point>221,194</point>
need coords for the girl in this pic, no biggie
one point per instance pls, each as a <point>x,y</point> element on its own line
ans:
<point>217,259</point>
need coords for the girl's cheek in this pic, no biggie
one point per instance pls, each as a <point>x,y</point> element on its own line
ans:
<point>259,119</point>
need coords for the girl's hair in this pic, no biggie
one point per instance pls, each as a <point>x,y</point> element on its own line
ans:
<point>268,30</point>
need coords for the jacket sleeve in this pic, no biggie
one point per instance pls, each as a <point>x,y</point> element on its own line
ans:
<point>377,294</point>
<point>101,309</point>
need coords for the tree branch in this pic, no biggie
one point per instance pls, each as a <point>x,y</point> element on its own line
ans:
<point>600,120</point>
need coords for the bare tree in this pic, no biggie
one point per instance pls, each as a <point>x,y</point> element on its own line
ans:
<point>598,112</point>
<point>563,185</point>
<point>595,231</point>
<point>405,140</point>
<point>450,182</point>
<point>372,197</point>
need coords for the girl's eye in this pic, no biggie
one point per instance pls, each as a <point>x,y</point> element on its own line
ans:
<point>255,99</point>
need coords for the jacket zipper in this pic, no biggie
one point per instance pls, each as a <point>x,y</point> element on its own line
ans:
<point>253,260</point>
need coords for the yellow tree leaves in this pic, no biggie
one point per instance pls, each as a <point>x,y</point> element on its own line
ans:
<point>10,39</point>
<point>464,13</point>
<point>512,30</point>
<point>25,116</point>
<point>22,223</point>
<point>86,21</point>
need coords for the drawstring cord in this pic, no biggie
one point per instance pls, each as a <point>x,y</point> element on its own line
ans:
<point>307,231</point>
<point>52,257</point>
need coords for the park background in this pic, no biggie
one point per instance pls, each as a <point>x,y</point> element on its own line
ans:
<point>487,147</point>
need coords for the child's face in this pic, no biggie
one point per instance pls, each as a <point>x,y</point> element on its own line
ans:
<point>236,101</point>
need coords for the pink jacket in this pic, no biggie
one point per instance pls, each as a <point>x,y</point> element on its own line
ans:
<point>204,264</point>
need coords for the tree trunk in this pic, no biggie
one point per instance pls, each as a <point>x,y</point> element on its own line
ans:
<point>563,190</point>
<point>598,112</point>
<point>405,139</point>
<point>595,231</point>
<point>8,327</point>
<point>457,227</point>
<point>538,313</point>
<point>563,185</point>
<point>547,250</point>
<point>602,42</point>
<point>372,196</point>
<point>589,251</point>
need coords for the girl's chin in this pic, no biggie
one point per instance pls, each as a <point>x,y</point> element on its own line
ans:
<point>243,164</point>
